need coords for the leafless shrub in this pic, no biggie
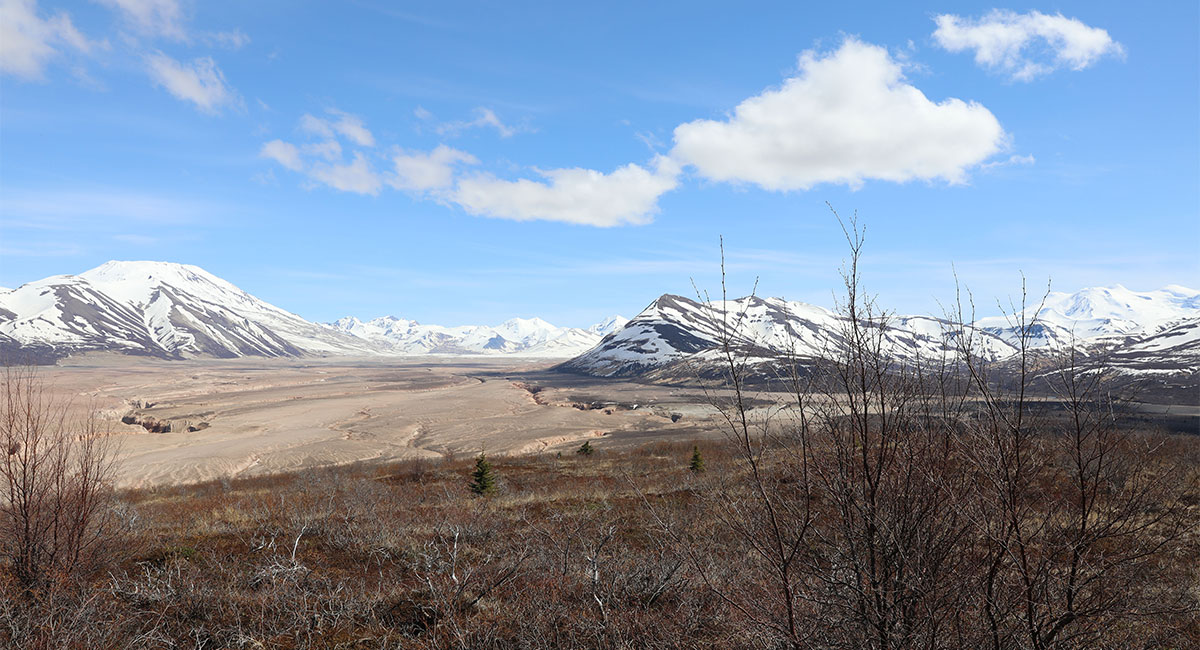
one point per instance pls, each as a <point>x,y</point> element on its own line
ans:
<point>1077,518</point>
<point>910,501</point>
<point>55,482</point>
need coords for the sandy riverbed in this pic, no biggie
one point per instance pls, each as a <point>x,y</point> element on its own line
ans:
<point>265,416</point>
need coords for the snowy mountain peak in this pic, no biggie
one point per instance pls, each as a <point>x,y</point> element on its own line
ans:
<point>524,327</point>
<point>160,309</point>
<point>1181,291</point>
<point>609,325</point>
<point>674,335</point>
<point>522,336</point>
<point>137,282</point>
<point>1102,311</point>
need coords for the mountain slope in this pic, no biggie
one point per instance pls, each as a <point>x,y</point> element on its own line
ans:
<point>676,337</point>
<point>178,311</point>
<point>159,309</point>
<point>1098,312</point>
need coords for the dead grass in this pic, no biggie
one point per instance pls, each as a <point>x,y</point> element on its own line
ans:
<point>567,554</point>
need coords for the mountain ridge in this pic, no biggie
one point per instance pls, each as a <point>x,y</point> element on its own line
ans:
<point>675,337</point>
<point>179,311</point>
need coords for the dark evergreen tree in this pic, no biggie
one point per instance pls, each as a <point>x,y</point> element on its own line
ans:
<point>483,479</point>
<point>697,464</point>
<point>586,449</point>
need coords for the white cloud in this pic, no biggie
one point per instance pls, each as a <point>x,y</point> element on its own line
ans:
<point>1012,160</point>
<point>629,195</point>
<point>162,18</point>
<point>355,177</point>
<point>315,126</point>
<point>1006,41</point>
<point>424,172</point>
<point>328,149</point>
<point>349,126</point>
<point>284,153</point>
<point>28,42</point>
<point>484,117</point>
<point>231,40</point>
<point>199,82</point>
<point>846,116</point>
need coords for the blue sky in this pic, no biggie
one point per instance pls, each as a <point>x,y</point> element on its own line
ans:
<point>469,162</point>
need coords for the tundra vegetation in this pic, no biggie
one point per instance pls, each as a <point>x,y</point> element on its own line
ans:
<point>933,503</point>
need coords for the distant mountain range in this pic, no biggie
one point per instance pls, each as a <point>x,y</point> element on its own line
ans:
<point>1150,333</point>
<point>523,336</point>
<point>178,311</point>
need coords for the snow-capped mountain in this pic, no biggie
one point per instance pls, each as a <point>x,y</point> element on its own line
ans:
<point>158,309</point>
<point>675,336</point>
<point>608,325</point>
<point>180,311</point>
<point>1098,312</point>
<point>523,336</point>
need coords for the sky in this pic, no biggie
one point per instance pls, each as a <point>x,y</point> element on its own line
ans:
<point>468,162</point>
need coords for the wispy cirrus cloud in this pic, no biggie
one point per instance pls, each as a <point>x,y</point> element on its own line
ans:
<point>484,118</point>
<point>62,208</point>
<point>234,39</point>
<point>29,41</point>
<point>1025,46</point>
<point>157,18</point>
<point>199,81</point>
<point>342,124</point>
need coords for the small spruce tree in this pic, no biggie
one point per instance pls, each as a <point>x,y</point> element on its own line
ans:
<point>697,464</point>
<point>586,449</point>
<point>483,479</point>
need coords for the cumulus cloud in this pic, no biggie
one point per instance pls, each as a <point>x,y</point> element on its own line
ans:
<point>28,41</point>
<point>284,153</point>
<point>162,18</point>
<point>845,117</point>
<point>357,177</point>
<point>628,195</point>
<point>348,126</point>
<point>322,160</point>
<point>425,172</point>
<point>1025,46</point>
<point>200,82</point>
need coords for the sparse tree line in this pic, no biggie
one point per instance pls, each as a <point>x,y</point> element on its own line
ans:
<point>933,503</point>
